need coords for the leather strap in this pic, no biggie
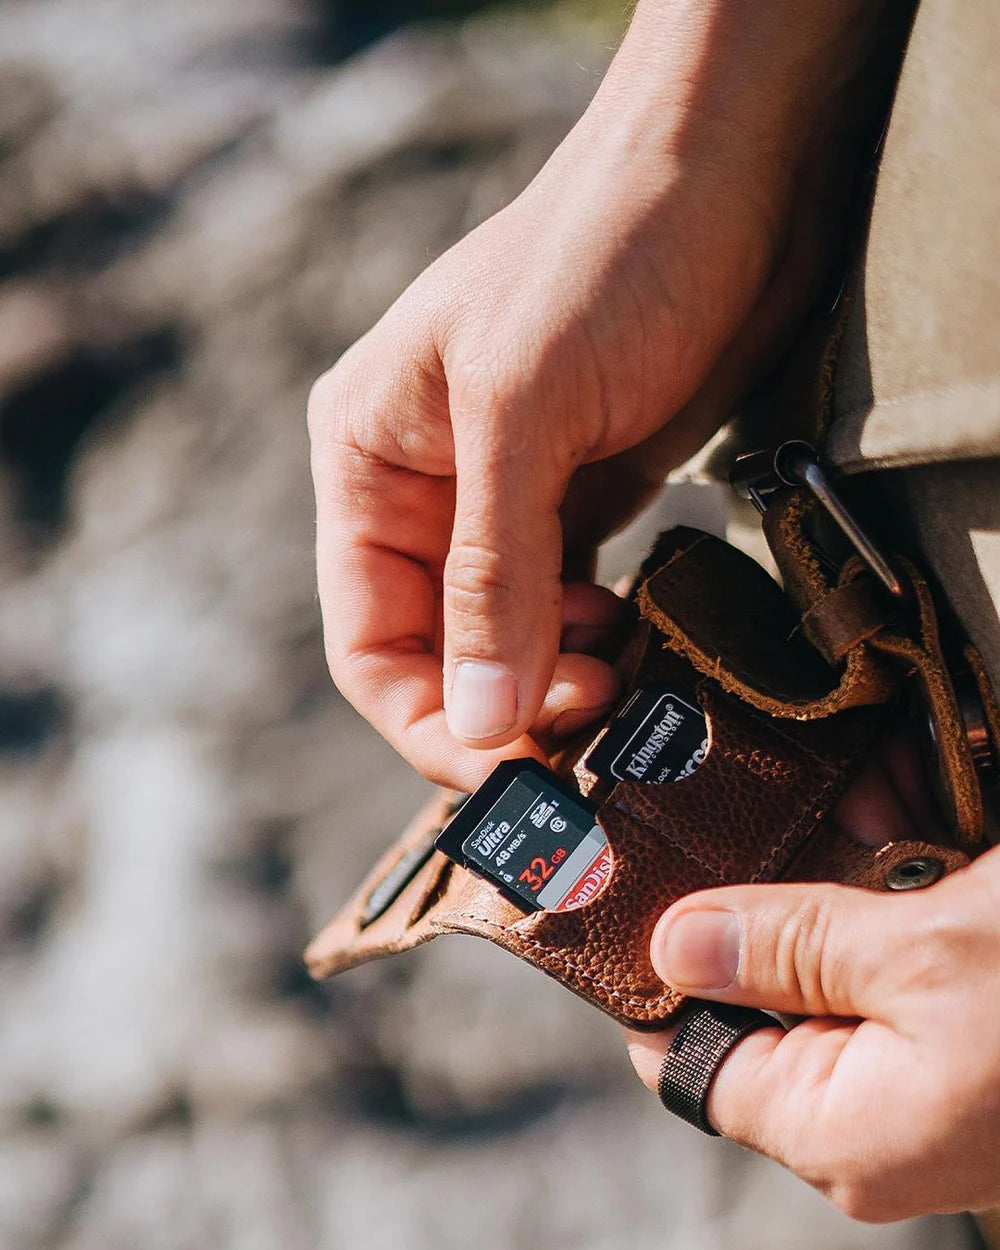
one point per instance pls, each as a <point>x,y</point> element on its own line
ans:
<point>707,1034</point>
<point>911,646</point>
<point>846,616</point>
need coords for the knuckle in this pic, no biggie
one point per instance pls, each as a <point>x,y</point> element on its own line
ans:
<point>326,409</point>
<point>477,584</point>
<point>646,1060</point>
<point>838,1171</point>
<point>858,1199</point>
<point>322,399</point>
<point>863,1187</point>
<point>334,396</point>
<point>945,937</point>
<point>487,390</point>
<point>357,671</point>
<point>502,396</point>
<point>803,963</point>
<point>342,669</point>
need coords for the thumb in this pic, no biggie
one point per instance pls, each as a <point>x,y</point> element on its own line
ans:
<point>812,950</point>
<point>502,587</point>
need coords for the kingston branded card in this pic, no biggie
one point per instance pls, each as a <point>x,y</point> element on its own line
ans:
<point>533,837</point>
<point>657,736</point>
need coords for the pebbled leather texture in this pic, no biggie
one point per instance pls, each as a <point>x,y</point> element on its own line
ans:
<point>788,733</point>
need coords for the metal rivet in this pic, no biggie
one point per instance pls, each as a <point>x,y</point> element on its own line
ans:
<point>914,874</point>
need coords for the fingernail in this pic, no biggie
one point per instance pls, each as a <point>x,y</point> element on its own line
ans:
<point>576,718</point>
<point>483,701</point>
<point>697,950</point>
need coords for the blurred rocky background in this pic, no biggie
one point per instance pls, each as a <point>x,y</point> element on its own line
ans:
<point>202,203</point>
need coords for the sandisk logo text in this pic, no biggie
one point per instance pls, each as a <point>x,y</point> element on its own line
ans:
<point>591,883</point>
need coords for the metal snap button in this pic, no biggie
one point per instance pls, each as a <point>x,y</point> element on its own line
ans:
<point>914,874</point>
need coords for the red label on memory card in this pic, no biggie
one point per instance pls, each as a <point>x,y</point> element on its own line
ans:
<point>592,882</point>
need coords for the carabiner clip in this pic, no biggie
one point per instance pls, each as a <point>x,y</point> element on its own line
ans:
<point>796,463</point>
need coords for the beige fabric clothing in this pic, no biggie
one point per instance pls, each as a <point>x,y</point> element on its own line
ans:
<point>953,511</point>
<point>918,376</point>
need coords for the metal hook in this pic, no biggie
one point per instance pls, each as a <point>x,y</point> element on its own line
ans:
<point>797,464</point>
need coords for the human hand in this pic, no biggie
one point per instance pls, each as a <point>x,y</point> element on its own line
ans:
<point>886,1098</point>
<point>528,392</point>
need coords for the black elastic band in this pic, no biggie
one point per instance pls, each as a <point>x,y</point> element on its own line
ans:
<point>707,1034</point>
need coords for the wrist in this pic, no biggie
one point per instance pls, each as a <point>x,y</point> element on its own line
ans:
<point>734,84</point>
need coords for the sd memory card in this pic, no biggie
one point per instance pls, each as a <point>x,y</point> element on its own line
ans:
<point>656,736</point>
<point>533,837</point>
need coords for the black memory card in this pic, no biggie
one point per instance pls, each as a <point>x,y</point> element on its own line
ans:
<point>656,736</point>
<point>534,837</point>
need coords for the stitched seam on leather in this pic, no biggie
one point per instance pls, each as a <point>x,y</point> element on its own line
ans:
<point>761,868</point>
<point>809,814</point>
<point>810,754</point>
<point>792,831</point>
<point>665,836</point>
<point>832,777</point>
<point>668,996</point>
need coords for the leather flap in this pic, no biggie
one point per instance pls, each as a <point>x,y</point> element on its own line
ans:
<point>731,620</point>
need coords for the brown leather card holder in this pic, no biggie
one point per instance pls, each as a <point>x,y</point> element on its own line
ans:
<point>797,687</point>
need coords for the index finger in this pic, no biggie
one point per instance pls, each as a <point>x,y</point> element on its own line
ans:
<point>382,535</point>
